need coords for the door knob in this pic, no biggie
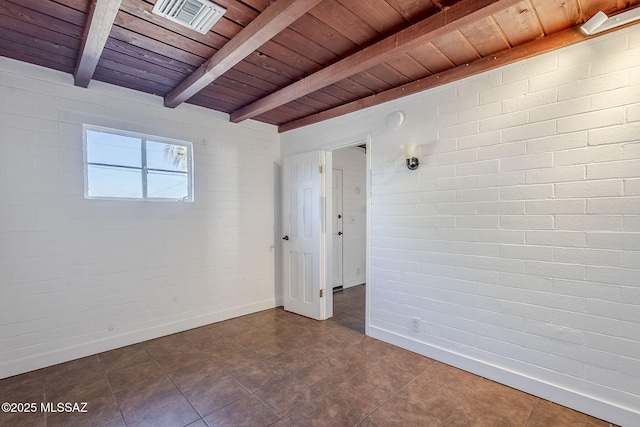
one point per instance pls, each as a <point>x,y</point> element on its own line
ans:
<point>285,238</point>
<point>339,233</point>
<point>339,216</point>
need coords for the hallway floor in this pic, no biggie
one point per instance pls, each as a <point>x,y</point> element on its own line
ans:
<point>274,368</point>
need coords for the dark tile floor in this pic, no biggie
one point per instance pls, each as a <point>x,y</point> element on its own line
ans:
<point>275,368</point>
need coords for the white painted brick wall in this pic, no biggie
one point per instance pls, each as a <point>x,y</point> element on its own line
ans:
<point>558,302</point>
<point>614,205</point>
<point>82,276</point>
<point>614,134</point>
<point>589,189</point>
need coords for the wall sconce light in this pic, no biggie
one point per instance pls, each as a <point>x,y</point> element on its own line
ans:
<point>601,22</point>
<point>409,152</point>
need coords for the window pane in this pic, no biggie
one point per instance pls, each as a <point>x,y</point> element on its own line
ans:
<point>113,149</point>
<point>167,185</point>
<point>122,164</point>
<point>161,155</point>
<point>114,182</point>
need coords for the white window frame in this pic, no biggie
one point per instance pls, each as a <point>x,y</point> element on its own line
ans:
<point>143,140</point>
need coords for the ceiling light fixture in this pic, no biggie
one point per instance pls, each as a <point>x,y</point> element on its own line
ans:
<point>601,22</point>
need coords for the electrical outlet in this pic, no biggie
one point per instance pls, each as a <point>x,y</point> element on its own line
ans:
<point>415,324</point>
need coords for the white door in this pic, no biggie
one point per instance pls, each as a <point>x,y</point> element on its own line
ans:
<point>337,229</point>
<point>302,217</point>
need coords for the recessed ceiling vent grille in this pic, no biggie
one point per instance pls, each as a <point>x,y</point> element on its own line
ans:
<point>199,15</point>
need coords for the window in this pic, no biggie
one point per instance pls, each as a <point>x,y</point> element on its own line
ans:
<point>124,165</point>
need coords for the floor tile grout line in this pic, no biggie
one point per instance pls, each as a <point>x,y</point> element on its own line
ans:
<point>535,405</point>
<point>396,393</point>
<point>453,410</point>
<point>185,398</point>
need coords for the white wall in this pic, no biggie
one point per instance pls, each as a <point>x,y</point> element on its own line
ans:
<point>517,242</point>
<point>81,276</point>
<point>352,162</point>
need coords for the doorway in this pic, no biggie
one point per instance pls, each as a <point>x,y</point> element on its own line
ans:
<point>307,228</point>
<point>349,228</point>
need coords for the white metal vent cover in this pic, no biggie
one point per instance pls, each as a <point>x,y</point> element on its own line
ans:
<point>199,15</point>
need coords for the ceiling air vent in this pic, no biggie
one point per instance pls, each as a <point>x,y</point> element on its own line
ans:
<point>199,15</point>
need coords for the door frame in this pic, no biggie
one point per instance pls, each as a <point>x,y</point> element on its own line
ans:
<point>326,229</point>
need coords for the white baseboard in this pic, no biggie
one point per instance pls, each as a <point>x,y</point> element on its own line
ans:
<point>360,280</point>
<point>570,398</point>
<point>66,354</point>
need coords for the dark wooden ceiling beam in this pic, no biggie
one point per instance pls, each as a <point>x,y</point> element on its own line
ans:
<point>500,59</point>
<point>273,20</point>
<point>102,14</point>
<point>444,22</point>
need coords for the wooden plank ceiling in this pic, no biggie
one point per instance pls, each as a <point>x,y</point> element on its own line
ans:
<point>290,62</point>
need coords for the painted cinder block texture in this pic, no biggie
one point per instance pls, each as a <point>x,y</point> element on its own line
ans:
<point>81,276</point>
<point>517,240</point>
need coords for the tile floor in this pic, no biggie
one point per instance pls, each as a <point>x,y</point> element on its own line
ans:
<point>275,368</point>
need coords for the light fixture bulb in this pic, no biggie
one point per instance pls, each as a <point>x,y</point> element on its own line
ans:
<point>409,150</point>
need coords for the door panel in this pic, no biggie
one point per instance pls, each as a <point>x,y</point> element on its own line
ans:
<point>302,217</point>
